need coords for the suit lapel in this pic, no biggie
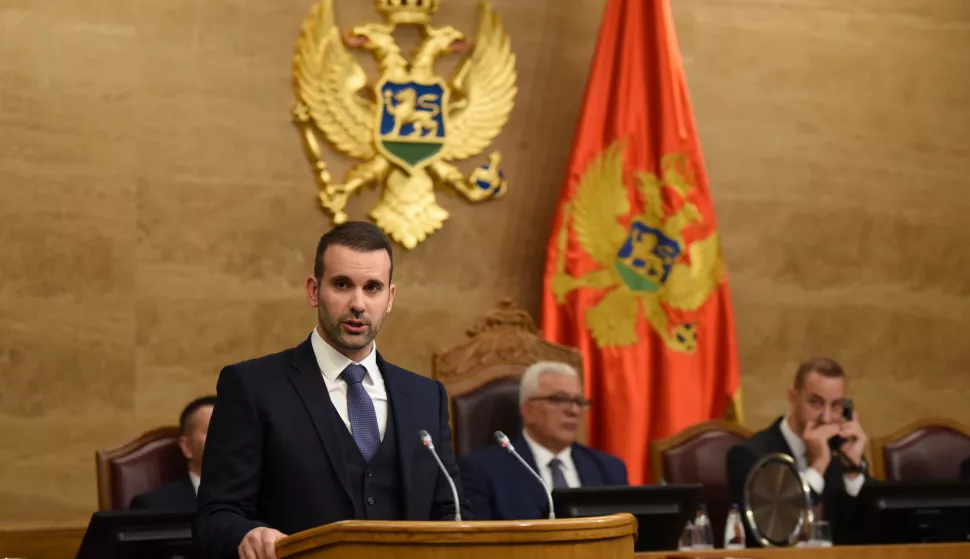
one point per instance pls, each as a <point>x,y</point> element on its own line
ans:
<point>405,429</point>
<point>778,442</point>
<point>308,381</point>
<point>187,490</point>
<point>531,485</point>
<point>589,474</point>
<point>525,451</point>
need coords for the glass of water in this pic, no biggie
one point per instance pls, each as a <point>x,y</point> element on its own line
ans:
<point>819,534</point>
<point>686,542</point>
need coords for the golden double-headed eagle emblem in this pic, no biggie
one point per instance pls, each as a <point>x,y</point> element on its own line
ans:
<point>409,125</point>
<point>641,260</point>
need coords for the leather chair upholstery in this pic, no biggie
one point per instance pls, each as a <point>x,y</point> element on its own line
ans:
<point>482,375</point>
<point>698,455</point>
<point>493,406</point>
<point>926,450</point>
<point>138,466</point>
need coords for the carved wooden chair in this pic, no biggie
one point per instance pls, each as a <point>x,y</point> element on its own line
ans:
<point>927,449</point>
<point>142,464</point>
<point>482,374</point>
<point>698,455</point>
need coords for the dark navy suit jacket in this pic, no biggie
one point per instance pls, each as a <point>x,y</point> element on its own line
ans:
<point>177,495</point>
<point>499,488</point>
<point>273,456</point>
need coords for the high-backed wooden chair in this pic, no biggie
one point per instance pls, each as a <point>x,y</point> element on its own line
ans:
<point>698,455</point>
<point>482,374</point>
<point>927,449</point>
<point>140,465</point>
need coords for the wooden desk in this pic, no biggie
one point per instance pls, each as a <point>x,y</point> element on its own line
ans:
<point>41,543</point>
<point>924,551</point>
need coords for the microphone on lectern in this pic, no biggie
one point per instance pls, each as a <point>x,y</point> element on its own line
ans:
<point>507,445</point>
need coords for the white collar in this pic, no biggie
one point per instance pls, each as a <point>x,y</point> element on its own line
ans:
<point>543,455</point>
<point>332,362</point>
<point>795,443</point>
<point>195,482</point>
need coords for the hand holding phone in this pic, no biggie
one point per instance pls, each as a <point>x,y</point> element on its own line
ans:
<point>852,441</point>
<point>818,445</point>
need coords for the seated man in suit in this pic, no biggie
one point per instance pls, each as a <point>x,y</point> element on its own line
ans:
<point>180,494</point>
<point>552,404</point>
<point>815,415</point>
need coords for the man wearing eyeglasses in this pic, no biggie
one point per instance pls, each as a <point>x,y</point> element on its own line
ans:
<point>552,406</point>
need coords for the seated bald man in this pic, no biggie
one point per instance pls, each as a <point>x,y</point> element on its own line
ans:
<point>552,404</point>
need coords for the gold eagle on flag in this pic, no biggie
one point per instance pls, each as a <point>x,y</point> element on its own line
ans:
<point>408,126</point>
<point>643,265</point>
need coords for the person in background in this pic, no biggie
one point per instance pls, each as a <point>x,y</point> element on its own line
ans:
<point>552,406</point>
<point>180,495</point>
<point>836,475</point>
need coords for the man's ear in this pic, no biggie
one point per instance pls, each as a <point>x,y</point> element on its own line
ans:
<point>312,289</point>
<point>792,400</point>
<point>186,449</point>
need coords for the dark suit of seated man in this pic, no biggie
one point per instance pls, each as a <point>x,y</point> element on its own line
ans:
<point>328,430</point>
<point>551,403</point>
<point>815,415</point>
<point>965,469</point>
<point>179,495</point>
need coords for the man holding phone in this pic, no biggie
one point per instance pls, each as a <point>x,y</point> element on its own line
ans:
<point>823,435</point>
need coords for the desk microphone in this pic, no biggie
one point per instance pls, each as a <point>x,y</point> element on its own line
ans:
<point>504,441</point>
<point>426,441</point>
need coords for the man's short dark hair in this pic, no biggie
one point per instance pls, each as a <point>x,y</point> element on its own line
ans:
<point>822,365</point>
<point>358,235</point>
<point>185,419</point>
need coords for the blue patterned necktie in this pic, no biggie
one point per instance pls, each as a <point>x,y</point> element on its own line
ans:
<point>360,408</point>
<point>558,477</point>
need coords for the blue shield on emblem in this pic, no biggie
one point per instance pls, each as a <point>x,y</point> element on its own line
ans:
<point>645,259</point>
<point>411,122</point>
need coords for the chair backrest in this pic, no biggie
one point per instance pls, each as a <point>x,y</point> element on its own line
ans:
<point>927,449</point>
<point>482,374</point>
<point>697,455</point>
<point>138,466</point>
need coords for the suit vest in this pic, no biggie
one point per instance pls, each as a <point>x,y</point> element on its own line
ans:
<point>375,487</point>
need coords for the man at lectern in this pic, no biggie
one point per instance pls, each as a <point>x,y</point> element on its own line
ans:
<point>552,404</point>
<point>327,430</point>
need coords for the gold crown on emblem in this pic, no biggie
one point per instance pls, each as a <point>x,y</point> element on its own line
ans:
<point>417,12</point>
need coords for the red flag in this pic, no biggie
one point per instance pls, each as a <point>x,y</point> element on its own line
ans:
<point>634,276</point>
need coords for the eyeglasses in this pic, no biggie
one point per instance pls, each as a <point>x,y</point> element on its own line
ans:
<point>561,400</point>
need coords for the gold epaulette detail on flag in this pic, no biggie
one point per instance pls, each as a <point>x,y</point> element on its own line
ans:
<point>646,265</point>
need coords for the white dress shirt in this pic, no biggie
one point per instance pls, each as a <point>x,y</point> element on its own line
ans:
<point>815,479</point>
<point>543,456</point>
<point>332,363</point>
<point>195,482</point>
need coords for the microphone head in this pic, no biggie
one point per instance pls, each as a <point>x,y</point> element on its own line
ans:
<point>501,438</point>
<point>425,437</point>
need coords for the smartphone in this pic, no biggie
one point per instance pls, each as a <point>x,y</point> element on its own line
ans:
<point>847,409</point>
<point>836,442</point>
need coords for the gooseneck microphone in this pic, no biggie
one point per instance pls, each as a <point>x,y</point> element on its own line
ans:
<point>507,445</point>
<point>429,444</point>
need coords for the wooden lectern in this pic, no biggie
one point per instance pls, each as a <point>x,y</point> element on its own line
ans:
<point>598,537</point>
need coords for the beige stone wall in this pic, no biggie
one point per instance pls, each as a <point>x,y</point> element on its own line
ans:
<point>158,217</point>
